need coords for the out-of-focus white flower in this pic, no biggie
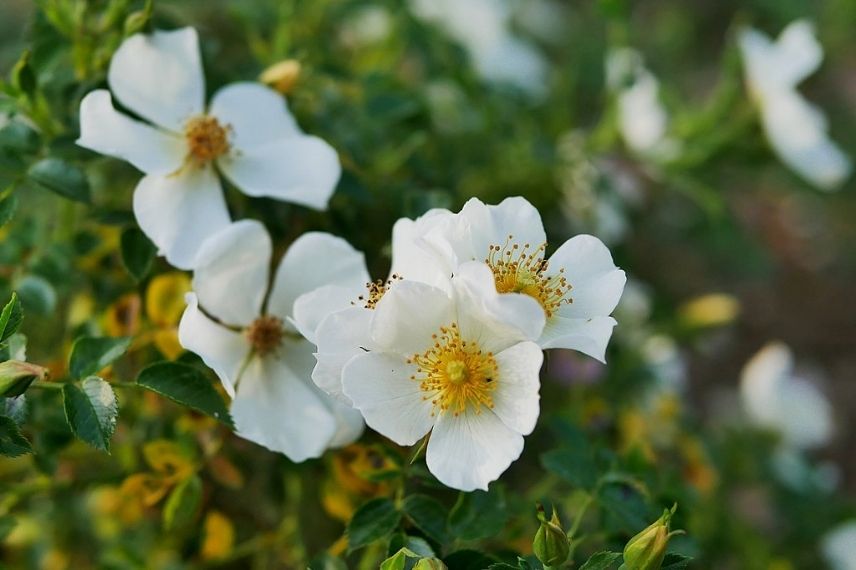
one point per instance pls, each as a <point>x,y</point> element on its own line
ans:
<point>796,129</point>
<point>368,25</point>
<point>248,335</point>
<point>246,133</point>
<point>459,364</point>
<point>838,546</point>
<point>775,399</point>
<point>577,288</point>
<point>642,118</point>
<point>483,28</point>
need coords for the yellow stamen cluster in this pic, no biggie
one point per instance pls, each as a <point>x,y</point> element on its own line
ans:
<point>455,374</point>
<point>206,139</point>
<point>523,269</point>
<point>265,334</point>
<point>376,291</point>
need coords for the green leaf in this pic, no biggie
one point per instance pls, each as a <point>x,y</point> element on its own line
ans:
<point>10,318</point>
<point>8,206</point>
<point>674,561</point>
<point>12,441</point>
<point>398,561</point>
<point>7,523</point>
<point>90,354</point>
<point>468,560</point>
<point>478,514</point>
<point>138,253</point>
<point>625,507</point>
<point>37,294</point>
<point>601,561</point>
<point>61,177</point>
<point>187,386</point>
<point>182,504</point>
<point>91,411</point>
<point>573,464</point>
<point>19,137</point>
<point>325,561</point>
<point>374,520</point>
<point>428,515</point>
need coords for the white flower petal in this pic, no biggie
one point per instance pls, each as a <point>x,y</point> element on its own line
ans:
<point>310,309</point>
<point>589,336</point>
<point>159,77</point>
<point>596,282</point>
<point>512,61</point>
<point>231,272</point>
<point>105,130</point>
<point>391,402</point>
<point>340,337</point>
<point>515,397</point>
<point>408,314</point>
<point>255,113</point>
<point>349,424</point>
<point>314,260</point>
<point>492,225</point>
<point>780,65</point>
<point>413,258</point>
<point>222,350</point>
<point>301,169</point>
<point>838,546</point>
<point>277,407</point>
<point>468,451</point>
<point>178,212</point>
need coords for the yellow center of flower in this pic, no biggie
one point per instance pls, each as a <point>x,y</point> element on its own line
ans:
<point>375,291</point>
<point>206,138</point>
<point>523,269</point>
<point>455,374</point>
<point>265,334</point>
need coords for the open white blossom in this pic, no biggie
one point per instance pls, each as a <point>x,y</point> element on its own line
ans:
<point>775,399</point>
<point>838,546</point>
<point>577,287</point>
<point>459,364</point>
<point>246,133</point>
<point>246,333</point>
<point>796,129</point>
<point>483,28</point>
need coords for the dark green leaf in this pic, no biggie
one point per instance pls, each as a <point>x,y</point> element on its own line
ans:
<point>674,561</point>
<point>183,503</point>
<point>91,354</point>
<point>573,464</point>
<point>601,561</point>
<point>625,507</point>
<point>372,521</point>
<point>91,411</point>
<point>428,515</point>
<point>138,253</point>
<point>186,385</point>
<point>478,514</point>
<point>19,137</point>
<point>327,561</point>
<point>61,177</point>
<point>7,523</point>
<point>12,441</point>
<point>10,318</point>
<point>8,205</point>
<point>468,560</point>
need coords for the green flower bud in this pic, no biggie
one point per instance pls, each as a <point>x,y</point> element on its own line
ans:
<point>551,544</point>
<point>646,550</point>
<point>16,377</point>
<point>430,564</point>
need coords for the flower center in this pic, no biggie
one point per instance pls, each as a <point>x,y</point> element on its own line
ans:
<point>523,269</point>
<point>265,334</point>
<point>376,291</point>
<point>206,138</point>
<point>455,374</point>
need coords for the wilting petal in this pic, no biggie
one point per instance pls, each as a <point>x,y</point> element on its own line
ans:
<point>589,336</point>
<point>596,282</point>
<point>256,114</point>
<point>515,397</point>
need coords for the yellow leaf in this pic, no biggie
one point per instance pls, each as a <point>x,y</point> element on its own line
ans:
<point>166,341</point>
<point>168,459</point>
<point>122,318</point>
<point>165,298</point>
<point>219,536</point>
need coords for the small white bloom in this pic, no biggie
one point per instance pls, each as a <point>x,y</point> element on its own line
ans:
<point>796,129</point>
<point>483,28</point>
<point>774,398</point>
<point>248,335</point>
<point>458,364</point>
<point>246,133</point>
<point>642,118</point>
<point>839,546</point>
<point>577,287</point>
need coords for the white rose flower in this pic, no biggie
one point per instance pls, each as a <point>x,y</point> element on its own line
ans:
<point>796,129</point>
<point>775,399</point>
<point>246,133</point>
<point>577,287</point>
<point>457,363</point>
<point>838,546</point>
<point>247,333</point>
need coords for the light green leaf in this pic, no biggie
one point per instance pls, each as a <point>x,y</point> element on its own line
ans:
<point>398,561</point>
<point>61,177</point>
<point>374,520</point>
<point>10,318</point>
<point>91,411</point>
<point>187,386</point>
<point>90,354</point>
<point>138,253</point>
<point>182,504</point>
<point>12,441</point>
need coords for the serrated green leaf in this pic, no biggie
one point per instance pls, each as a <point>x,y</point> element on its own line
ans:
<point>674,561</point>
<point>601,561</point>
<point>90,354</point>
<point>60,177</point>
<point>183,503</point>
<point>374,520</point>
<point>428,515</point>
<point>187,386</point>
<point>478,514</point>
<point>8,206</point>
<point>138,253</point>
<point>12,441</point>
<point>10,318</point>
<point>91,411</point>
<point>573,464</point>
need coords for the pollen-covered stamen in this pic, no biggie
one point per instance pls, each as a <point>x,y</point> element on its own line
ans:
<point>206,139</point>
<point>523,269</point>
<point>376,291</point>
<point>265,334</point>
<point>454,374</point>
